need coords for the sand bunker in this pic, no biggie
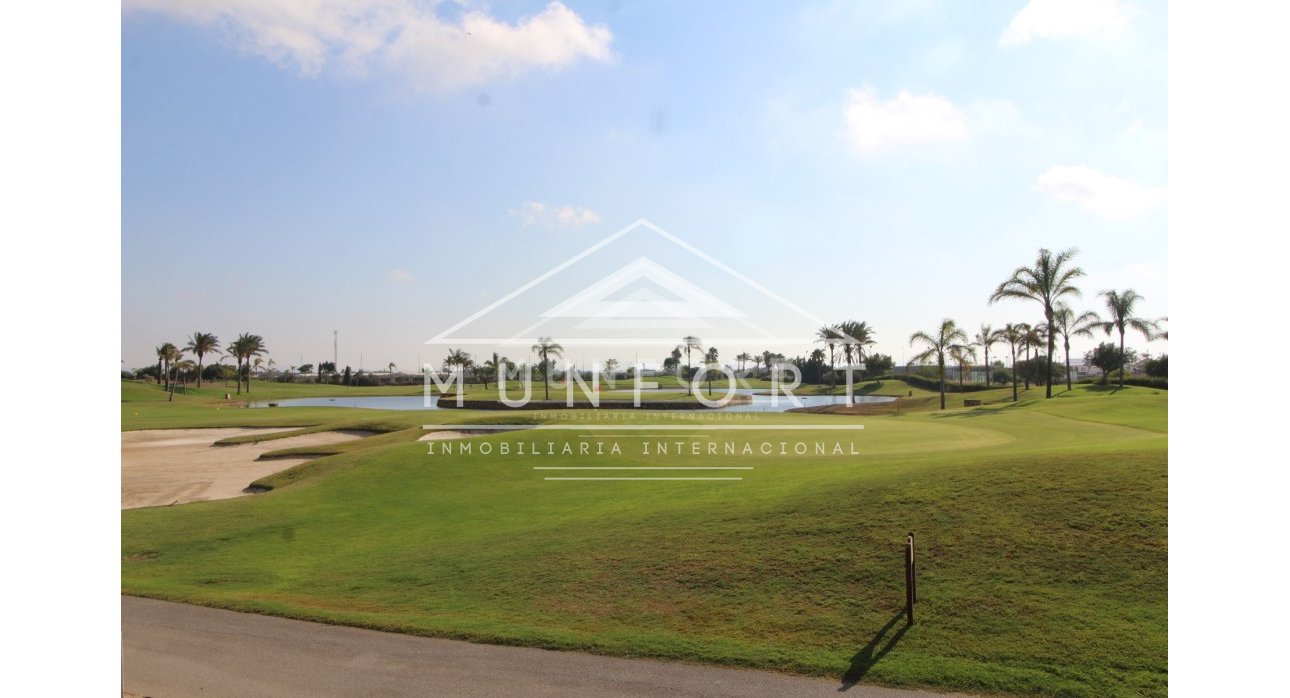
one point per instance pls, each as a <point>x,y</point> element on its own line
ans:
<point>440,435</point>
<point>174,466</point>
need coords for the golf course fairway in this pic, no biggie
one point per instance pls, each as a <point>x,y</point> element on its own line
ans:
<point>1041,526</point>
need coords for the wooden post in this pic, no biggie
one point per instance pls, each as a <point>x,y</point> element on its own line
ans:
<point>911,580</point>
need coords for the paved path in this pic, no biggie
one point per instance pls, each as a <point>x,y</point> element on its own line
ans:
<point>173,649</point>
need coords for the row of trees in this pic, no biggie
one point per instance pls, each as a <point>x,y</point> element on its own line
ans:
<point>1048,282</point>
<point>172,364</point>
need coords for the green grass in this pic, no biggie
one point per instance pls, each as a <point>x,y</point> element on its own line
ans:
<point>1042,546</point>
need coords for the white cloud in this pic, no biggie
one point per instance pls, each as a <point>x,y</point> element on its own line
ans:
<point>403,37</point>
<point>1114,198</point>
<point>401,276</point>
<point>906,120</point>
<point>1060,19</point>
<point>538,213</point>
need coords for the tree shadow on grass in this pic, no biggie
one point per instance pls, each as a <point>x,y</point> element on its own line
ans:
<point>870,654</point>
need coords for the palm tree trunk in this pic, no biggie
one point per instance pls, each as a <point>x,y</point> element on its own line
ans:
<point>833,370</point>
<point>1014,373</point>
<point>546,379</point>
<point>987,368</point>
<point>942,372</point>
<point>1048,379</point>
<point>161,372</point>
<point>1122,359</point>
<point>199,371</point>
<point>689,387</point>
<point>238,375</point>
<point>1069,387</point>
<point>1027,376</point>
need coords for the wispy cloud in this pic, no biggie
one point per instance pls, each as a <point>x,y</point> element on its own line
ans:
<point>540,214</point>
<point>1110,197</point>
<point>1060,19</point>
<point>402,37</point>
<point>906,120</point>
<point>401,276</point>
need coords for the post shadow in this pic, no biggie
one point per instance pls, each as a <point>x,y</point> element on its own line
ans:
<point>870,654</point>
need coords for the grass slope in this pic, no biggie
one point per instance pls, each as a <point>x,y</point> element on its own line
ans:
<point>1042,529</point>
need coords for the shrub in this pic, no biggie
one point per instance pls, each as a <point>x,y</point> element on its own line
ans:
<point>1140,381</point>
<point>951,386</point>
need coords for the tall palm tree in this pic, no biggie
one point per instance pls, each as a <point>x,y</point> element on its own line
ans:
<point>460,359</point>
<point>948,340</point>
<point>165,354</point>
<point>201,344</point>
<point>688,344</point>
<point>246,347</point>
<point>743,358</point>
<point>987,337</point>
<point>1068,325</point>
<point>862,333</point>
<point>768,360</point>
<point>545,349</point>
<point>1120,306</point>
<point>1013,335</point>
<point>1047,282</point>
<point>829,337</point>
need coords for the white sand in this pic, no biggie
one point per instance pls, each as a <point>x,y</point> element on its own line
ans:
<point>440,435</point>
<point>174,466</point>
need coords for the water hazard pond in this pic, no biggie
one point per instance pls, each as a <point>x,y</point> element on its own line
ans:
<point>759,403</point>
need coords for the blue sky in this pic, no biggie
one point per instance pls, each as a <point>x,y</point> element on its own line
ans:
<point>384,168</point>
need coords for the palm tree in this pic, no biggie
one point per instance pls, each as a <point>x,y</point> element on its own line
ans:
<point>611,366</point>
<point>460,359</point>
<point>963,355</point>
<point>1047,283</point>
<point>1032,337</point>
<point>986,338</point>
<point>1120,305</point>
<point>390,368</point>
<point>1068,325</point>
<point>173,357</point>
<point>688,344</point>
<point>165,354</point>
<point>711,359</point>
<point>948,340</point>
<point>1013,335</point>
<point>768,360</point>
<point>743,359</point>
<point>246,347</point>
<point>829,336</point>
<point>862,333</point>
<point>180,366</point>
<point>545,349</point>
<point>495,367</point>
<point>201,344</point>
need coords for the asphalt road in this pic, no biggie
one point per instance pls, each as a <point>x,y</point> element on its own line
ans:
<point>172,649</point>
